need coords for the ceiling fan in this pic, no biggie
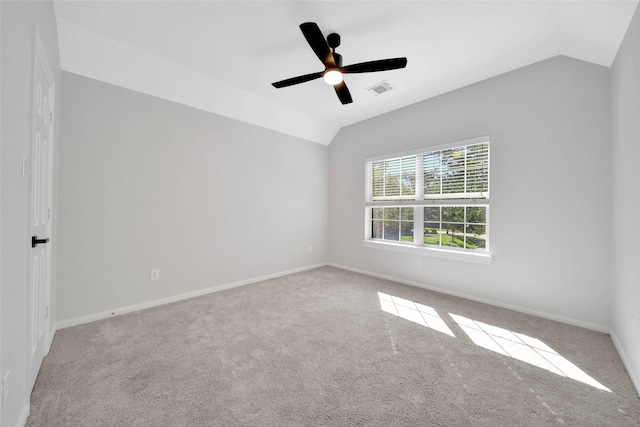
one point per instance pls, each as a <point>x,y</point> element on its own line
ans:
<point>333,72</point>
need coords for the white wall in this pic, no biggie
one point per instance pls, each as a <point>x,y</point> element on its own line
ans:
<point>18,19</point>
<point>146,183</point>
<point>549,125</point>
<point>625,254</point>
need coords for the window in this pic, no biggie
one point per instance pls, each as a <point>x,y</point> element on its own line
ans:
<point>435,198</point>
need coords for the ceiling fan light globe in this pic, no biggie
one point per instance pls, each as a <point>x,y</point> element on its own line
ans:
<point>333,77</point>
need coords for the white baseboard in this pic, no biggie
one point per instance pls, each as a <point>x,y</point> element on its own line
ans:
<point>567,320</point>
<point>49,341</point>
<point>22,421</point>
<point>136,307</point>
<point>626,361</point>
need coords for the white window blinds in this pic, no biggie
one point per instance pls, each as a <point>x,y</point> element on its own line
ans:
<point>393,179</point>
<point>460,172</point>
<point>453,173</point>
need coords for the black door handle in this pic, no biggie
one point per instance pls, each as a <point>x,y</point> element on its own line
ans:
<point>35,241</point>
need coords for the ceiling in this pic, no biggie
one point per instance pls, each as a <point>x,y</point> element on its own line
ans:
<point>222,56</point>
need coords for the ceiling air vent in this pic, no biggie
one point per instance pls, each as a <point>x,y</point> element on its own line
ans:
<point>380,88</point>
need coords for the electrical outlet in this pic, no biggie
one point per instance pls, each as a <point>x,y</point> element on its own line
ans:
<point>310,248</point>
<point>5,389</point>
<point>155,274</point>
<point>293,253</point>
<point>418,263</point>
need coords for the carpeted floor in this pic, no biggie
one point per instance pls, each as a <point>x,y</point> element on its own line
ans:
<point>328,347</point>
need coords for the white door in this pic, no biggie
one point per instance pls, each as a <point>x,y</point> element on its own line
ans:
<point>40,210</point>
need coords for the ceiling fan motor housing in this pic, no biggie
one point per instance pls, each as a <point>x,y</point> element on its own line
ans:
<point>333,40</point>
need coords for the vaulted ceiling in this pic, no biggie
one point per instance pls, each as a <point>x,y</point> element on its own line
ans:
<point>222,56</point>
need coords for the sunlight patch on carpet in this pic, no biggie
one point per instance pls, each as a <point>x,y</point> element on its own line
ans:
<point>414,312</point>
<point>523,348</point>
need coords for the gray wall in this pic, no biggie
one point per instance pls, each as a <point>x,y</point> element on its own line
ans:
<point>625,94</point>
<point>550,127</point>
<point>18,20</point>
<point>146,183</point>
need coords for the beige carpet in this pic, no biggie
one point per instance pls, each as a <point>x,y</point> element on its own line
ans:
<point>330,347</point>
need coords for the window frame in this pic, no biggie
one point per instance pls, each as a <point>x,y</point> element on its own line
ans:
<point>417,246</point>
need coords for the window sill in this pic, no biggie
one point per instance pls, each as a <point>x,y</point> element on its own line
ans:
<point>476,258</point>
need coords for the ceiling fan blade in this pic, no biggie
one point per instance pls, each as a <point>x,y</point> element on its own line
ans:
<point>372,66</point>
<point>343,93</point>
<point>296,80</point>
<point>318,43</point>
